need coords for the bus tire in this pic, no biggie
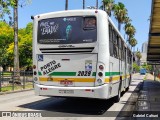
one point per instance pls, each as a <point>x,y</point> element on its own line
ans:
<point>117,98</point>
<point>127,89</point>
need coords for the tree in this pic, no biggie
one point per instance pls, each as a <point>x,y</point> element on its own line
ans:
<point>129,30</point>
<point>14,4</point>
<point>16,49</point>
<point>139,56</point>
<point>136,67</point>
<point>25,47</point>
<point>147,67</point>
<point>66,5</point>
<point>120,13</point>
<point>132,42</point>
<point>107,6</point>
<point>4,8</point>
<point>127,20</point>
<point>6,37</point>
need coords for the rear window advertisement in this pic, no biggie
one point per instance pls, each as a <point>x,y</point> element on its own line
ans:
<point>90,23</point>
<point>67,30</point>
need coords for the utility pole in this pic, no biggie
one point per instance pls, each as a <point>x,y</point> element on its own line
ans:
<point>97,4</point>
<point>104,8</point>
<point>66,5</point>
<point>83,4</point>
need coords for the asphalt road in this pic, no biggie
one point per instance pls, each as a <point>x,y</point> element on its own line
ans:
<point>66,109</point>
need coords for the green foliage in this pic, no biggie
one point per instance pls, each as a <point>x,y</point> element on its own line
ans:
<point>147,67</point>
<point>138,55</point>
<point>7,45</point>
<point>136,67</point>
<point>4,8</point>
<point>6,38</point>
<point>120,13</point>
<point>108,6</point>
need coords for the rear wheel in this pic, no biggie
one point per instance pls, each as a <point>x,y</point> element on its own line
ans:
<point>127,89</point>
<point>117,98</point>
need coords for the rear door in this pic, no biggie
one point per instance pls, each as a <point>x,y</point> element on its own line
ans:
<point>67,70</point>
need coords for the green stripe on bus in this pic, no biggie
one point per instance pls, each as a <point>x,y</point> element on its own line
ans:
<point>74,73</point>
<point>112,73</point>
<point>63,74</point>
<point>94,74</point>
<point>108,73</point>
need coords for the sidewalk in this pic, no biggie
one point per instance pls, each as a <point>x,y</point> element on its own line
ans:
<point>151,77</point>
<point>149,96</point>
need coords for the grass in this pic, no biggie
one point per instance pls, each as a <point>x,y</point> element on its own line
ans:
<point>16,87</point>
<point>6,73</point>
<point>145,77</point>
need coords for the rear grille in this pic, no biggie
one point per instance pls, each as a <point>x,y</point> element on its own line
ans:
<point>67,50</point>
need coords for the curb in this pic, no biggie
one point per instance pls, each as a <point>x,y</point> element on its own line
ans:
<point>126,112</point>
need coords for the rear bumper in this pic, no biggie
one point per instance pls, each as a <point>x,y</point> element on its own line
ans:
<point>99,92</point>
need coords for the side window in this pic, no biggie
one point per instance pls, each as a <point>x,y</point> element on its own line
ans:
<point>125,52</point>
<point>115,51</point>
<point>114,37</point>
<point>130,60</point>
<point>110,33</point>
<point>111,48</point>
<point>128,56</point>
<point>110,40</point>
<point>120,48</point>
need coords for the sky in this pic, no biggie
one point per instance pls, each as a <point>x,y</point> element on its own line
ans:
<point>138,10</point>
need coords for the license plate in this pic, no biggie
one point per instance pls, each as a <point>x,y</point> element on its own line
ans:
<point>66,82</point>
<point>66,91</point>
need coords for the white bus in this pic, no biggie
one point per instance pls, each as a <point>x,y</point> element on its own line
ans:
<point>79,53</point>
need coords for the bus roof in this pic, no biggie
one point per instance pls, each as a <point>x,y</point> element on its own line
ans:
<point>68,12</point>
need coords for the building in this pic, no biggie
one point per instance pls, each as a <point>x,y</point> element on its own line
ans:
<point>144,53</point>
<point>144,47</point>
<point>143,58</point>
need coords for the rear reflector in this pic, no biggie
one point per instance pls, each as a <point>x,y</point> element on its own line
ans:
<point>44,88</point>
<point>87,89</point>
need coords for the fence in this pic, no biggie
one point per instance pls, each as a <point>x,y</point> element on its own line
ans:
<point>10,82</point>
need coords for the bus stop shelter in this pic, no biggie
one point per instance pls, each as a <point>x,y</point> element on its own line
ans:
<point>153,54</point>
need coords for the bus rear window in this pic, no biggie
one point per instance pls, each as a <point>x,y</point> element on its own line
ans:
<point>67,30</point>
<point>89,23</point>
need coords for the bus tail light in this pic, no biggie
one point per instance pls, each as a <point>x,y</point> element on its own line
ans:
<point>100,74</point>
<point>99,81</point>
<point>101,67</point>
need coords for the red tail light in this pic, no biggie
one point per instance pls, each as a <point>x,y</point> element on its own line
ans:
<point>101,67</point>
<point>35,73</point>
